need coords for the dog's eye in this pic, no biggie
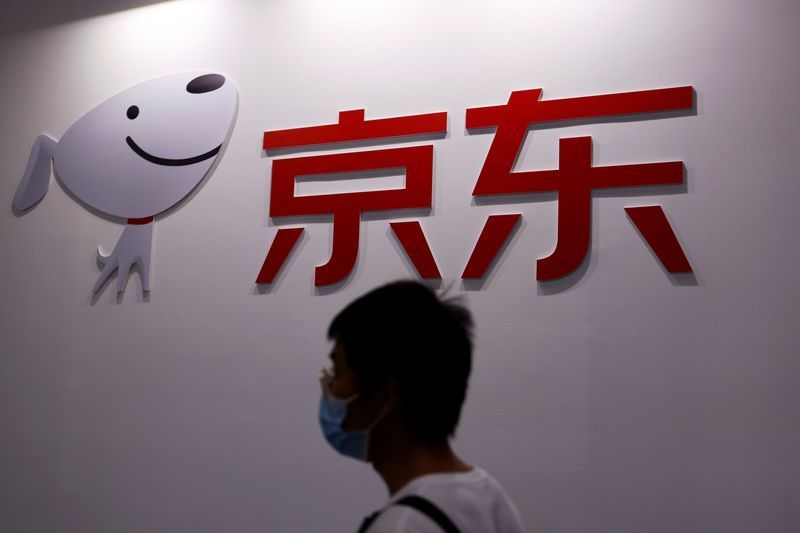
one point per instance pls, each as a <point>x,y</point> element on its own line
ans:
<point>205,83</point>
<point>133,112</point>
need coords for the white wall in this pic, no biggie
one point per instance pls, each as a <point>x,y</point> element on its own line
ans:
<point>617,401</point>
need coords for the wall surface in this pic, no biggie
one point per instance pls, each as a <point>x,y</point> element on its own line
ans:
<point>620,399</point>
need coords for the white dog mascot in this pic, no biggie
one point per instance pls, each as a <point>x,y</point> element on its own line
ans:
<point>134,156</point>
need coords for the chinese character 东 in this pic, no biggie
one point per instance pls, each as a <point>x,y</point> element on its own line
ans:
<point>575,177</point>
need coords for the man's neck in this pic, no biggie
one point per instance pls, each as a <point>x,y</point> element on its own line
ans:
<point>409,459</point>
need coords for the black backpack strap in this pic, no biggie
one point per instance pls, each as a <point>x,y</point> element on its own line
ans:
<point>428,508</point>
<point>368,522</point>
<point>422,505</point>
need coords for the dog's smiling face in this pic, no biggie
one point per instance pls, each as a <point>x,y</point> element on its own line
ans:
<point>143,150</point>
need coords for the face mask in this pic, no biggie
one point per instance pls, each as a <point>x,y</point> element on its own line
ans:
<point>332,413</point>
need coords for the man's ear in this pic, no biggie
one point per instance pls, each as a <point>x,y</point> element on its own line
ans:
<point>391,394</point>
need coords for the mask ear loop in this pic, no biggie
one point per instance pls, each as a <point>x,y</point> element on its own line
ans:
<point>383,414</point>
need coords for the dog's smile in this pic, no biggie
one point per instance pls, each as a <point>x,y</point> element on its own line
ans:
<point>170,162</point>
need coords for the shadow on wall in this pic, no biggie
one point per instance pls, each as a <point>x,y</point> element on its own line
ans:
<point>30,15</point>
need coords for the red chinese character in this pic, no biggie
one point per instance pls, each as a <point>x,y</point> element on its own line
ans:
<point>575,177</point>
<point>346,208</point>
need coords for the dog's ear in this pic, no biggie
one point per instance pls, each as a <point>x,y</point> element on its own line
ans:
<point>36,179</point>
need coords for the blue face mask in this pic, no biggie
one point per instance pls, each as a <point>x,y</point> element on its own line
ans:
<point>332,413</point>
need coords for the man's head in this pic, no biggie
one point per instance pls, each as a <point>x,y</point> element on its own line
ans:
<point>401,340</point>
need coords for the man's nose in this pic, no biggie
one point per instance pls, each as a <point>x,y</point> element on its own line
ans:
<point>205,83</point>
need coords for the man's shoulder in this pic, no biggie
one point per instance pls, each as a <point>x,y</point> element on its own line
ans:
<point>445,484</point>
<point>396,518</point>
<point>473,501</point>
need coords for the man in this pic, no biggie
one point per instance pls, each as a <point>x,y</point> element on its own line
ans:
<point>401,361</point>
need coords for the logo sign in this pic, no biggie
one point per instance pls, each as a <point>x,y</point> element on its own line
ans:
<point>573,180</point>
<point>145,149</point>
<point>134,156</point>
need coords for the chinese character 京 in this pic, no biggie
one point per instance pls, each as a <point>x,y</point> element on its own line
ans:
<point>346,208</point>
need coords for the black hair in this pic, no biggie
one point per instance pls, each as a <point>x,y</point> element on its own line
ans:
<point>405,331</point>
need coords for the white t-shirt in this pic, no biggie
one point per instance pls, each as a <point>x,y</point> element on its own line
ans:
<point>474,501</point>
